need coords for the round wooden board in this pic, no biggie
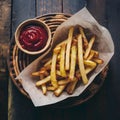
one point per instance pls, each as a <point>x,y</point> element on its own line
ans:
<point>18,60</point>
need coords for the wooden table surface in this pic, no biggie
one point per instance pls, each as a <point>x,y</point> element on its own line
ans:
<point>105,105</point>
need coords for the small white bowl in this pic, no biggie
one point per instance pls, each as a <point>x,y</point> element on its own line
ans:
<point>32,22</point>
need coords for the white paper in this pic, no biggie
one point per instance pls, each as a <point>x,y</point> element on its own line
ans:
<point>104,45</point>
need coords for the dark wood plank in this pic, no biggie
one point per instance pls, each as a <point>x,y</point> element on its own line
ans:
<point>72,7</point>
<point>22,10</point>
<point>48,6</point>
<point>19,107</point>
<point>105,104</point>
<point>5,8</point>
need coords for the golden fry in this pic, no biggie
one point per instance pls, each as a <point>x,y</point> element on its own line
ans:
<point>73,61</point>
<point>98,60</point>
<point>63,82</point>
<point>53,67</point>
<point>69,41</point>
<point>71,86</point>
<point>36,73</point>
<point>96,53</point>
<point>84,37</point>
<point>41,72</point>
<point>91,55</point>
<point>62,61</point>
<point>47,63</point>
<point>89,47</point>
<point>51,88</point>
<point>59,90</point>
<point>43,86</point>
<point>44,89</point>
<point>89,63</point>
<point>43,81</point>
<point>80,60</point>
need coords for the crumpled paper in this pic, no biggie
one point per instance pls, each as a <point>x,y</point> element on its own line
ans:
<point>104,44</point>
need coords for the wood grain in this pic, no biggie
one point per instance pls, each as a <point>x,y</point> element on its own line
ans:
<point>21,10</point>
<point>48,6</point>
<point>105,105</point>
<point>72,7</point>
<point>18,104</point>
<point>5,7</point>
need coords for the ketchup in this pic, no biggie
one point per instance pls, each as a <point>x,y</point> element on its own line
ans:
<point>33,37</point>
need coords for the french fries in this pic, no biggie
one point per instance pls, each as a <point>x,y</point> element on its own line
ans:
<point>71,62</point>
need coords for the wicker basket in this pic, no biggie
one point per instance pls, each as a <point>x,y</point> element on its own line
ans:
<point>18,60</point>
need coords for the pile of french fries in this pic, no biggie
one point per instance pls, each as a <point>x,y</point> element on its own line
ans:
<point>71,62</point>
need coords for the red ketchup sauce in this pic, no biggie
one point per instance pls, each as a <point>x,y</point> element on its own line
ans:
<point>33,37</point>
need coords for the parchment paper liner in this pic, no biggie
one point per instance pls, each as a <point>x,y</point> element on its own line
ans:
<point>104,45</point>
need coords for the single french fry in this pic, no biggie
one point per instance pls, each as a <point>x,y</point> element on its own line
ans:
<point>83,36</point>
<point>96,53</point>
<point>43,81</point>
<point>63,82</point>
<point>91,55</point>
<point>44,89</point>
<point>41,72</point>
<point>43,86</point>
<point>57,50</point>
<point>53,67</point>
<point>98,60</point>
<point>59,90</point>
<point>47,63</point>
<point>90,44</point>
<point>36,73</point>
<point>73,61</point>
<point>69,41</point>
<point>51,88</point>
<point>80,60</point>
<point>89,63</point>
<point>44,72</point>
<point>62,61</point>
<point>71,86</point>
